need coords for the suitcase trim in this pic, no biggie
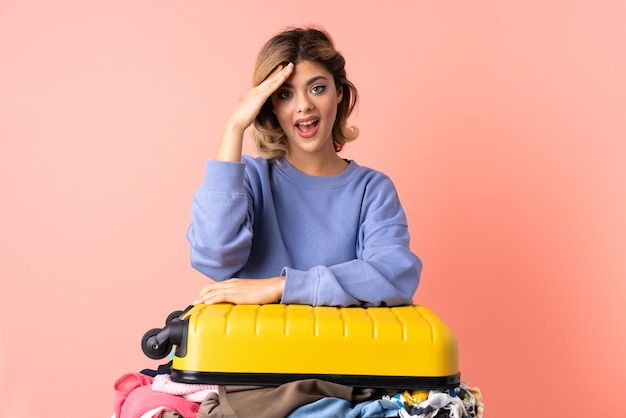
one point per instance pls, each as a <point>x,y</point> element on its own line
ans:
<point>277,379</point>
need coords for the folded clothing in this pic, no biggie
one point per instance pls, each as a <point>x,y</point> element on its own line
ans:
<point>193,392</point>
<point>134,398</point>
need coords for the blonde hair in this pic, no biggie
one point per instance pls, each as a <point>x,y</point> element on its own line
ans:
<point>295,45</point>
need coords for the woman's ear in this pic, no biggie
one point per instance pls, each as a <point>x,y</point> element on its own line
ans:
<point>339,95</point>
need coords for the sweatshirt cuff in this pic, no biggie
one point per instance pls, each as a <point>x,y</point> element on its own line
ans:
<point>300,287</point>
<point>223,176</point>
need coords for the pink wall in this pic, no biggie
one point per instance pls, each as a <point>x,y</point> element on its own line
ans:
<point>502,124</point>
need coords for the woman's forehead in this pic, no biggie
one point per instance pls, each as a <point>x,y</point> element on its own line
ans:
<point>306,72</point>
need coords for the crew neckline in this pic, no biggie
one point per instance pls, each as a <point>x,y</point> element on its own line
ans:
<point>316,182</point>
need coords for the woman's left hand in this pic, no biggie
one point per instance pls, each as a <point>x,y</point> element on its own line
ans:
<point>242,291</point>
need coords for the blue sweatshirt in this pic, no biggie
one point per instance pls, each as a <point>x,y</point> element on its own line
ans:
<point>339,240</point>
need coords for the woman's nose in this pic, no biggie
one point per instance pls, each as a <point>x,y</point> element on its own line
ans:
<point>304,104</point>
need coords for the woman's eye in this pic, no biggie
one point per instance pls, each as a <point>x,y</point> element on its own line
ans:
<point>283,95</point>
<point>318,89</point>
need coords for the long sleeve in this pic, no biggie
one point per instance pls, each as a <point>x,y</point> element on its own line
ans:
<point>220,234</point>
<point>385,270</point>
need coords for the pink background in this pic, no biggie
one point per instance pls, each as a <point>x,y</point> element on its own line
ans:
<point>502,124</point>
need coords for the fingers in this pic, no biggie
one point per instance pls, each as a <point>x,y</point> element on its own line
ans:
<point>272,83</point>
<point>250,106</point>
<point>216,292</point>
<point>204,292</point>
<point>213,297</point>
<point>242,291</point>
<point>278,77</point>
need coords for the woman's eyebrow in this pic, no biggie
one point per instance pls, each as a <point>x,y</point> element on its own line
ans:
<point>314,79</point>
<point>311,81</point>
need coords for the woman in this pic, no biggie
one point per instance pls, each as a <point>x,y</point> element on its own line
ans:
<point>299,224</point>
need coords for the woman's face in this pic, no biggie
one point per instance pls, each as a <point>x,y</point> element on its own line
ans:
<point>306,108</point>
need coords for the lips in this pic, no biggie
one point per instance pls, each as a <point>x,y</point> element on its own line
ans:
<point>307,127</point>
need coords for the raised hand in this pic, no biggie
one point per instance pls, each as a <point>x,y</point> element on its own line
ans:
<point>244,114</point>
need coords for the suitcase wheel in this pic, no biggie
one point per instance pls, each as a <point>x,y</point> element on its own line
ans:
<point>151,346</point>
<point>173,317</point>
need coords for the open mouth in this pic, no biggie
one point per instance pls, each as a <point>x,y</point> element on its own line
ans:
<point>307,128</point>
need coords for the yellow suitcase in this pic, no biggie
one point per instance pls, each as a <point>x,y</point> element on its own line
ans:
<point>405,347</point>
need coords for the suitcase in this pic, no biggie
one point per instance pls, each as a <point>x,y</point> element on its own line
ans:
<point>406,347</point>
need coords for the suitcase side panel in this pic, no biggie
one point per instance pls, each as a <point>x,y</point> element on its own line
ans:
<point>305,340</point>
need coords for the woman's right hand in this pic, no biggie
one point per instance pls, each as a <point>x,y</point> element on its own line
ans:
<point>250,106</point>
<point>230,147</point>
